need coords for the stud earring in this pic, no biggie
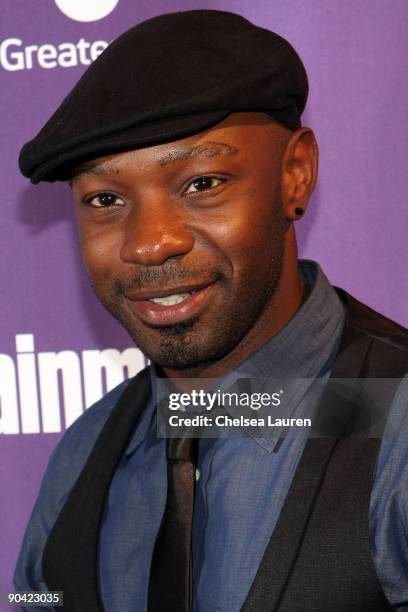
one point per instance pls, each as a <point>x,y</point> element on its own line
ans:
<point>299,211</point>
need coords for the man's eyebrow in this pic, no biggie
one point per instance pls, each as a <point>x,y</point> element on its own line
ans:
<point>206,150</point>
<point>98,168</point>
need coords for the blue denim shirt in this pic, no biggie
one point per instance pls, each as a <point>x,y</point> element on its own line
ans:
<point>241,486</point>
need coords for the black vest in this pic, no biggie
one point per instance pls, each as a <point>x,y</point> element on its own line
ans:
<point>318,558</point>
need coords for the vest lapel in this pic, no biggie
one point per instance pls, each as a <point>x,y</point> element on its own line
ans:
<point>280,556</point>
<point>70,555</point>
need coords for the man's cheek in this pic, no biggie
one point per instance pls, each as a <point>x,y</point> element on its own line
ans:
<point>98,253</point>
<point>100,273</point>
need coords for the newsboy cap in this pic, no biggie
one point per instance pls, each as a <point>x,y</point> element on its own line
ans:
<point>166,78</point>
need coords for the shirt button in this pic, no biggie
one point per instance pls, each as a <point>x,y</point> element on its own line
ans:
<point>197,474</point>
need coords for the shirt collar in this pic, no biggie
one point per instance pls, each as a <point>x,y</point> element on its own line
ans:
<point>303,346</point>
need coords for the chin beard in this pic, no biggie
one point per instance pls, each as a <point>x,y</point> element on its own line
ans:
<point>178,356</point>
<point>176,348</point>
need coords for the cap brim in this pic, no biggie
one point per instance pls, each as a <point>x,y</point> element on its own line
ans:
<point>59,167</point>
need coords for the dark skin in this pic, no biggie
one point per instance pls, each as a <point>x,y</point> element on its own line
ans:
<point>212,214</point>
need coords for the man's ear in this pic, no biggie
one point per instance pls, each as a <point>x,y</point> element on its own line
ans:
<point>299,172</point>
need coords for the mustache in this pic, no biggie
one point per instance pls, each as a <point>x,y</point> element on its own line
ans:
<point>170,273</point>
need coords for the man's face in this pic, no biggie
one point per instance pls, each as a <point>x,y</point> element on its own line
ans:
<point>184,241</point>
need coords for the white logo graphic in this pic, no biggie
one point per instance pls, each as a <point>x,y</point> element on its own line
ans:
<point>86,10</point>
<point>46,392</point>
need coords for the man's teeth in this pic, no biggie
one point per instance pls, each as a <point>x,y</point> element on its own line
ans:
<point>171,300</point>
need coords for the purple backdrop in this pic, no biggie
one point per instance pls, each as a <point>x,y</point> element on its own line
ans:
<point>355,53</point>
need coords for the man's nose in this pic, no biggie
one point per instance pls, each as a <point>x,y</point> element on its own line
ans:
<point>155,231</point>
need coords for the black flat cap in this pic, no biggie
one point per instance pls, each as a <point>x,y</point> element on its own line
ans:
<point>164,79</point>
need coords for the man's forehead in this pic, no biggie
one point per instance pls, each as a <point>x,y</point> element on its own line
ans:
<point>205,150</point>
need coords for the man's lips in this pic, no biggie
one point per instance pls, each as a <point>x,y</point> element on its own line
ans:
<point>173,304</point>
<point>149,294</point>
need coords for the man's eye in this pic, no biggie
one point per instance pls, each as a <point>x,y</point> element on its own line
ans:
<point>203,183</point>
<point>104,200</point>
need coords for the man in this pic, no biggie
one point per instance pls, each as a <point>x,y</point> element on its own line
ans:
<point>189,168</point>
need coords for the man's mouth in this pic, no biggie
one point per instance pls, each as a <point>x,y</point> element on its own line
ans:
<point>171,300</point>
<point>171,305</point>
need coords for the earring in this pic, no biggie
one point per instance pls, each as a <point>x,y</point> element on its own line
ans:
<point>299,211</point>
